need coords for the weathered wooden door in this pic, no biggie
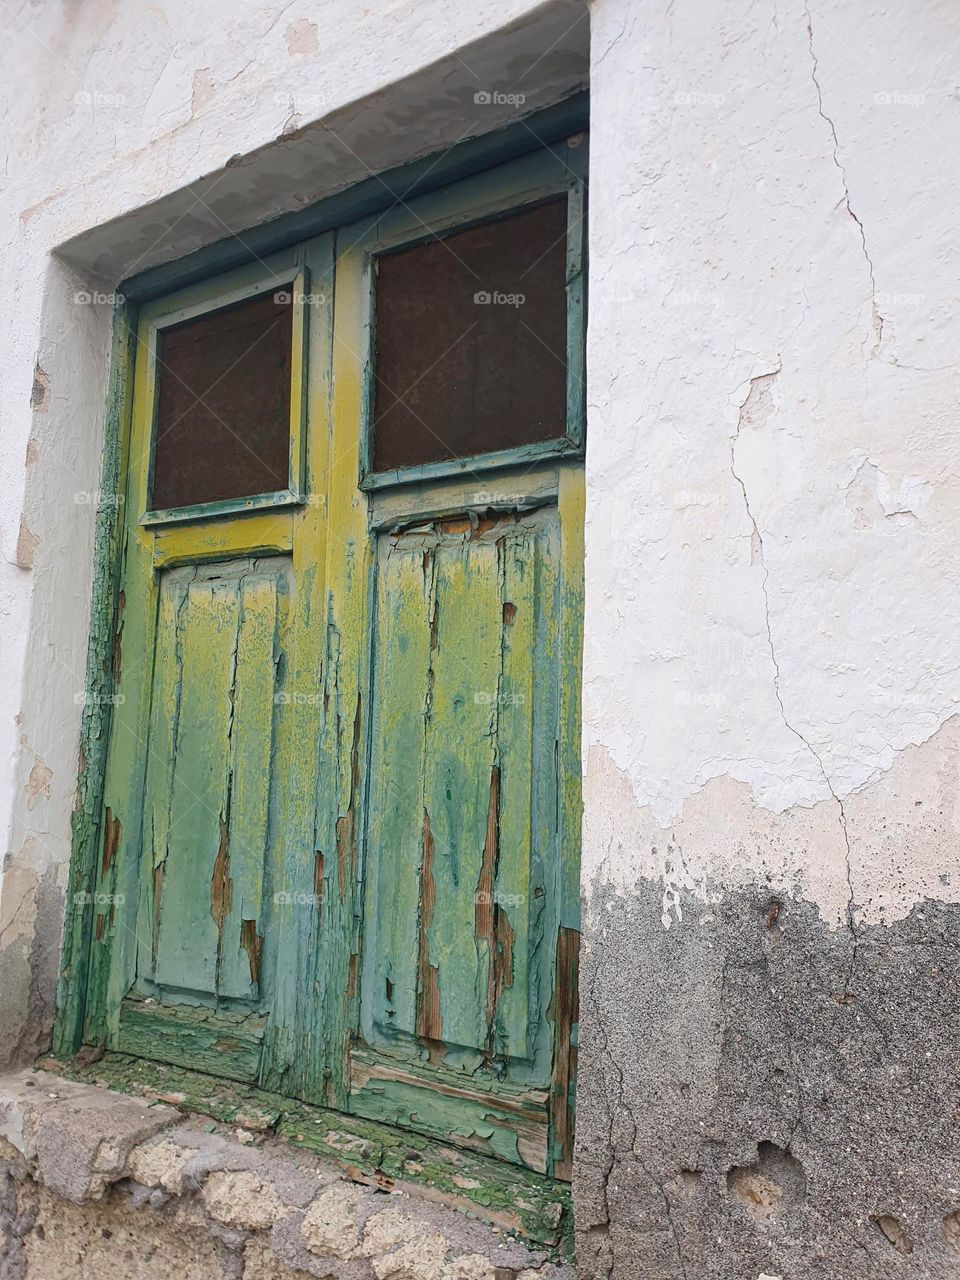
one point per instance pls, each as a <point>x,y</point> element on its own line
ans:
<point>218,531</point>
<point>341,817</point>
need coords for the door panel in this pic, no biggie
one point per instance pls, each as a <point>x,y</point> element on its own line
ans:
<point>208,785</point>
<point>462,833</point>
<point>182,966</point>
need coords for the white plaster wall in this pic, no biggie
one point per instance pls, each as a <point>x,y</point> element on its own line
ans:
<point>124,115</point>
<point>773,537</point>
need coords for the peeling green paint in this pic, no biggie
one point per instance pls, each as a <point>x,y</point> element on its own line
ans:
<point>99,689</point>
<point>340,816</point>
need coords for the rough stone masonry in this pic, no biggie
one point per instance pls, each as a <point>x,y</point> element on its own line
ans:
<point>94,1183</point>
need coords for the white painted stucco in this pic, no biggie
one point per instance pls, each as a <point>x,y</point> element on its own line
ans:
<point>773,536</point>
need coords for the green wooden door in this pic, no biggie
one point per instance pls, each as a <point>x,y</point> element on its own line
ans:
<point>217,525</point>
<point>465,872</point>
<point>341,815</point>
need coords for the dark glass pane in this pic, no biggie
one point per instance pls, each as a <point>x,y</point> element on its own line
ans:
<point>223,410</point>
<point>471,335</point>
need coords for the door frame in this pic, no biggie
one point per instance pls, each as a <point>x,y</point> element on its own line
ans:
<point>91,837</point>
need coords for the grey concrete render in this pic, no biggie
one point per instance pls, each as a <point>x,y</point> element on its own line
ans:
<point>762,1095</point>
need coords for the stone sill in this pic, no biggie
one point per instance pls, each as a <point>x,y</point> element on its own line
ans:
<point>94,1182</point>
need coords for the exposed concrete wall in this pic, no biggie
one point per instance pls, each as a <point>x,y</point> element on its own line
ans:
<point>773,563</point>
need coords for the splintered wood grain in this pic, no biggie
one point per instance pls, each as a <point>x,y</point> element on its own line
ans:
<point>161,758</point>
<point>321,733</point>
<point>404,604</point>
<point>111,840</point>
<point>526,726</point>
<point>198,859</point>
<point>429,1017</point>
<point>566,1017</point>
<point>465,714</point>
<point>459,754</point>
<point>251,761</point>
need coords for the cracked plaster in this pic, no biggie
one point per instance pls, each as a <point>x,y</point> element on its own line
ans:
<point>772,580</point>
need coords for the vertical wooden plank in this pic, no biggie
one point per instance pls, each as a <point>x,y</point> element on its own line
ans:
<point>521,702</point>
<point>546,869</point>
<point>161,760</point>
<point>100,686</point>
<point>296,909</point>
<point>566,1011</point>
<point>571,505</point>
<point>401,662</point>
<point>251,765</point>
<point>575,158</point>
<point>198,887</point>
<point>331,1014</point>
<point>569,622</point>
<point>114,945</point>
<point>459,780</point>
<point>321,727</point>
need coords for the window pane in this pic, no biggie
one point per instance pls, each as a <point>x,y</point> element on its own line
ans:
<point>471,335</point>
<point>223,410</point>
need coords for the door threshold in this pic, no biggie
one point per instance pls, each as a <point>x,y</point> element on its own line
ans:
<point>528,1205</point>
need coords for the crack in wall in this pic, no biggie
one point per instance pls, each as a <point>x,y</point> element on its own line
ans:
<point>759,384</point>
<point>607,1052</point>
<point>29,892</point>
<point>878,320</point>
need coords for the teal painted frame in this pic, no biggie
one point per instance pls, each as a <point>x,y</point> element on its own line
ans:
<point>381,192</point>
<point>281,274</point>
<point>521,184</point>
<point>85,821</point>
